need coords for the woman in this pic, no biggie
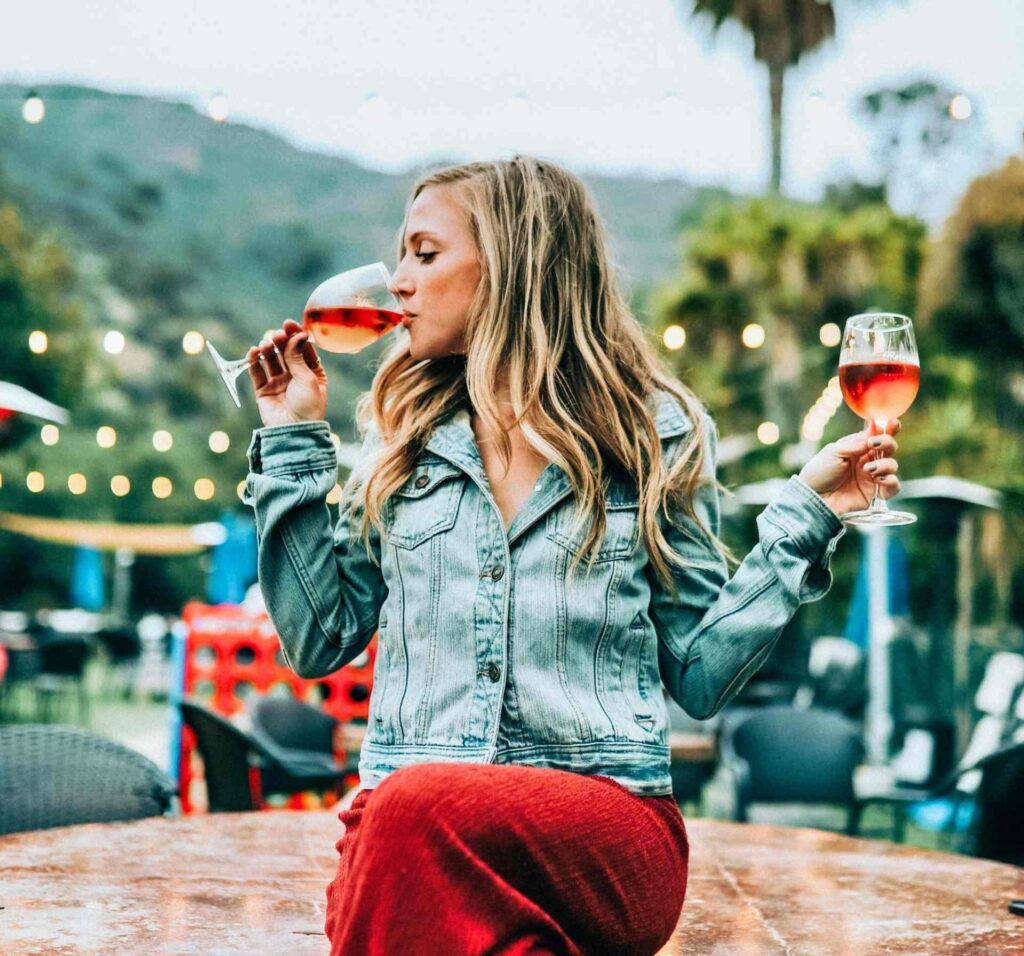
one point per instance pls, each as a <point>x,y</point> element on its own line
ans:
<point>532,531</point>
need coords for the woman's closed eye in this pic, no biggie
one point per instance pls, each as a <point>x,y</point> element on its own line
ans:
<point>425,257</point>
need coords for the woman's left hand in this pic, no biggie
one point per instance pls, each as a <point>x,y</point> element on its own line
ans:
<point>844,472</point>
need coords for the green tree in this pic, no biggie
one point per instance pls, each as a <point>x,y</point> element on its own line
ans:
<point>783,31</point>
<point>36,294</point>
<point>972,293</point>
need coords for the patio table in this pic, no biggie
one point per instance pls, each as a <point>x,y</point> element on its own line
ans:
<point>254,883</point>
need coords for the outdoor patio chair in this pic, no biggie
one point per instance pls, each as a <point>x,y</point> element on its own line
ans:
<point>1001,686</point>
<point>52,776</point>
<point>242,769</point>
<point>784,755</point>
<point>293,724</point>
<point>993,785</point>
<point>123,650</point>
<point>61,677</point>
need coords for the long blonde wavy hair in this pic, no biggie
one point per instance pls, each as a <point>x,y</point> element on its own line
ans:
<point>549,318</point>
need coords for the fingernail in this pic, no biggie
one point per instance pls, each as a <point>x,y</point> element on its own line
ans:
<point>875,442</point>
<point>872,467</point>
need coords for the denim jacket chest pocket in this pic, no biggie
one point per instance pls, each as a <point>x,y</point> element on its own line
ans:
<point>622,529</point>
<point>426,505</point>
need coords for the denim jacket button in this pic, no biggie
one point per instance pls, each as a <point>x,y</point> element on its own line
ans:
<point>497,573</point>
<point>494,673</point>
<point>421,482</point>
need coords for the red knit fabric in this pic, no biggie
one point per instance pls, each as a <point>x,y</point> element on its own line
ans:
<point>466,859</point>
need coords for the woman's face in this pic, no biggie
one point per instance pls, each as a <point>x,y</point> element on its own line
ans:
<point>438,276</point>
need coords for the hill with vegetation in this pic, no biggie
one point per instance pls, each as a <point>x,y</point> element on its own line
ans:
<point>141,216</point>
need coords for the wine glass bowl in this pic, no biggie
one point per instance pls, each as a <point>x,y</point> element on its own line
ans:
<point>352,310</point>
<point>879,375</point>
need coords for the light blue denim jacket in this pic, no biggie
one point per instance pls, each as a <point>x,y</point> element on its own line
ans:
<point>488,651</point>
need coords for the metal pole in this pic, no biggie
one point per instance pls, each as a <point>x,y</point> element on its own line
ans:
<point>124,558</point>
<point>879,716</point>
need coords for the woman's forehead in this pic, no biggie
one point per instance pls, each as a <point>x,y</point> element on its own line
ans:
<point>435,211</point>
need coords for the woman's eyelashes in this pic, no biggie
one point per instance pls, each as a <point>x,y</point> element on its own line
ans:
<point>425,257</point>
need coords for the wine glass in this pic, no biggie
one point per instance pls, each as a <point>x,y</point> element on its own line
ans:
<point>345,313</point>
<point>879,373</point>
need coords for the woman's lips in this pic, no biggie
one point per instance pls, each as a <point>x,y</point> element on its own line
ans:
<point>407,318</point>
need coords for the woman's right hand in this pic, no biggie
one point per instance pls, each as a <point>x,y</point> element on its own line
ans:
<point>290,382</point>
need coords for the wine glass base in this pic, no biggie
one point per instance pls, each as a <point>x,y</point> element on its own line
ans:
<point>878,519</point>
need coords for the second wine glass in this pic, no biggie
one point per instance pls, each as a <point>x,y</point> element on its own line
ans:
<point>879,373</point>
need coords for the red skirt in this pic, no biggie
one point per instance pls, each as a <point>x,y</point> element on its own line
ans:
<point>463,859</point>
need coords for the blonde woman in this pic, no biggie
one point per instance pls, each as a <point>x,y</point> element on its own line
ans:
<point>532,532</point>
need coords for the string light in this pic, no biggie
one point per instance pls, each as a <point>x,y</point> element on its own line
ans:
<point>753,335</point>
<point>35,482</point>
<point>106,437</point>
<point>218,107</point>
<point>77,484</point>
<point>830,334</point>
<point>49,434</point>
<point>240,489</point>
<point>192,342</point>
<point>162,487</point>
<point>120,485</point>
<point>1,480</point>
<point>822,411</point>
<point>113,342</point>
<point>33,109</point>
<point>219,442</point>
<point>674,337</point>
<point>768,433</point>
<point>960,107</point>
<point>334,495</point>
<point>204,489</point>
<point>162,440</point>
<point>38,342</point>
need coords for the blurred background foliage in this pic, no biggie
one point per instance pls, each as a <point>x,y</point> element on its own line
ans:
<point>141,216</point>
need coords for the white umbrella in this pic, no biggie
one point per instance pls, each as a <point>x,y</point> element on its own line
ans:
<point>14,398</point>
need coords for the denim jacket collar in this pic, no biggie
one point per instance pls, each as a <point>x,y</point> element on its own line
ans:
<point>454,441</point>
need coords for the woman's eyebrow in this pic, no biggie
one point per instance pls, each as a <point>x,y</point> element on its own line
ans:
<point>419,234</point>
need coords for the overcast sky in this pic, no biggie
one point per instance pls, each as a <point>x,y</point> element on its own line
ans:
<point>599,84</point>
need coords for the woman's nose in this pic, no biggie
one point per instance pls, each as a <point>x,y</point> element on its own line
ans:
<point>401,284</point>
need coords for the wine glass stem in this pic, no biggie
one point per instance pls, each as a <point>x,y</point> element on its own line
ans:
<point>878,503</point>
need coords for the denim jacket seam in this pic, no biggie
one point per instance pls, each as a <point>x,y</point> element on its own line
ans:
<point>816,502</point>
<point>787,533</point>
<point>303,575</point>
<point>310,466</point>
<point>750,667</point>
<point>753,591</point>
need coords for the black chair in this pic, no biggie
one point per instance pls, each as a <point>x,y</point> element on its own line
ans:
<point>62,662</point>
<point>784,755</point>
<point>292,724</point>
<point>994,785</point>
<point>54,776</point>
<point>123,650</point>
<point>242,769</point>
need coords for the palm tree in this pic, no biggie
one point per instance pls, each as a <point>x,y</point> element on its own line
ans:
<point>783,31</point>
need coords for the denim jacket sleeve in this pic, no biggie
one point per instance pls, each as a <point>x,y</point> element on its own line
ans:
<point>322,590</point>
<point>723,629</point>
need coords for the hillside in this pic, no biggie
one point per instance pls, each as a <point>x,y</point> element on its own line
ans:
<point>233,222</point>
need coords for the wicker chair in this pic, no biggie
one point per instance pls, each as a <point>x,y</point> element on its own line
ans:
<point>52,776</point>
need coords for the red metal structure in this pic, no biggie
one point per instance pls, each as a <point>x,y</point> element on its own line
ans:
<point>231,653</point>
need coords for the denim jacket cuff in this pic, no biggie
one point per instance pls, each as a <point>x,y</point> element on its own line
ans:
<point>293,449</point>
<point>805,517</point>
